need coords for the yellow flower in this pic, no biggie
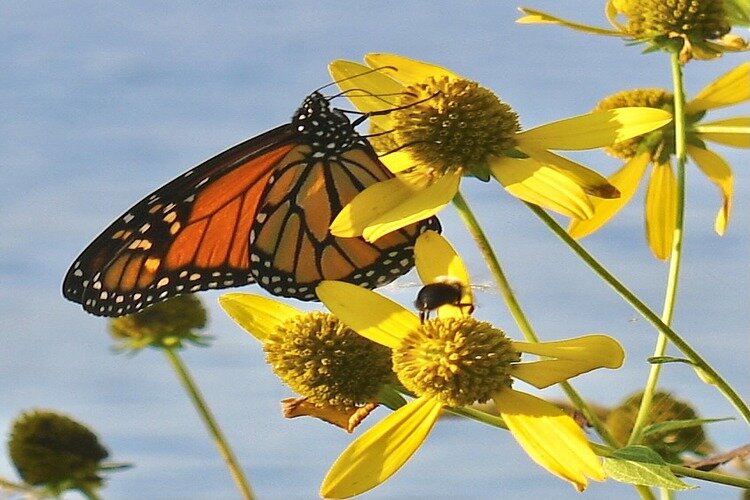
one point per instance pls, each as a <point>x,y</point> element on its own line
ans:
<point>657,147</point>
<point>454,361</point>
<point>695,28</point>
<point>432,127</point>
<point>313,352</point>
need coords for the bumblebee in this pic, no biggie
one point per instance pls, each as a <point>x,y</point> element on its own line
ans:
<point>444,291</point>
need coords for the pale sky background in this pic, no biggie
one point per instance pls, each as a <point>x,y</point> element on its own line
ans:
<point>102,102</point>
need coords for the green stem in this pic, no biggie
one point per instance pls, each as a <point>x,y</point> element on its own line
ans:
<point>472,224</point>
<point>208,419</point>
<point>670,295</point>
<point>697,361</point>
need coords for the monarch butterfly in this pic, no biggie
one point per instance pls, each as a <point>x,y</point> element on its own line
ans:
<point>258,212</point>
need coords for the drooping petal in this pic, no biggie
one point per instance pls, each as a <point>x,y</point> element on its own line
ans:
<point>395,203</point>
<point>435,258</point>
<point>381,451</point>
<point>550,437</point>
<point>626,180</point>
<point>730,131</point>
<point>367,313</point>
<point>533,16</point>
<point>661,210</point>
<point>542,185</point>
<point>718,172</point>
<point>370,91</point>
<point>592,182</point>
<point>406,70</point>
<point>730,88</point>
<point>258,315</point>
<point>594,130</point>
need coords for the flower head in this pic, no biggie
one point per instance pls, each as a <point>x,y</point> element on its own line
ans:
<point>56,452</point>
<point>657,149</point>
<point>432,126</point>
<point>334,369</point>
<point>164,325</point>
<point>697,29</point>
<point>456,360</point>
<point>670,443</point>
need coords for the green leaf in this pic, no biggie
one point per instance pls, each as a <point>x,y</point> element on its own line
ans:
<point>643,466</point>
<point>660,360</point>
<point>672,425</point>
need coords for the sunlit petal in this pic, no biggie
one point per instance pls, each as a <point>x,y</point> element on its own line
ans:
<point>367,89</point>
<point>407,71</point>
<point>661,210</point>
<point>367,313</point>
<point>718,172</point>
<point>592,182</point>
<point>626,180</point>
<point>390,205</point>
<point>550,437</point>
<point>731,88</point>
<point>538,17</point>
<point>434,258</point>
<point>730,132</point>
<point>260,316</point>
<point>594,130</point>
<point>381,451</point>
<point>542,185</point>
<point>600,351</point>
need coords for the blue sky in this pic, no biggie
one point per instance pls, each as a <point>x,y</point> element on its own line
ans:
<point>103,102</point>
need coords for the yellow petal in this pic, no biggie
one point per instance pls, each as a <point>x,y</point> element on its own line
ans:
<point>550,437</point>
<point>370,91</point>
<point>730,132</point>
<point>718,172</point>
<point>390,205</point>
<point>599,351</point>
<point>258,315</point>
<point>661,210</point>
<point>591,182</point>
<point>435,258</point>
<point>626,180</point>
<point>542,185</point>
<point>731,88</point>
<point>572,358</point>
<point>538,17</point>
<point>381,451</point>
<point>367,313</point>
<point>594,130</point>
<point>407,71</point>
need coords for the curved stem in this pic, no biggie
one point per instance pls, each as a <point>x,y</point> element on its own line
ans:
<point>208,419</point>
<point>670,295</point>
<point>472,224</point>
<point>698,362</point>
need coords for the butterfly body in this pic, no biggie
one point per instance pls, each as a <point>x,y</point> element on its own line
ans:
<point>258,212</point>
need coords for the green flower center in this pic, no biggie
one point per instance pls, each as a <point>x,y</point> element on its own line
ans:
<point>166,324</point>
<point>323,360</point>
<point>54,450</point>
<point>455,360</point>
<point>670,444</point>
<point>694,19</point>
<point>450,123</point>
<point>658,142</point>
